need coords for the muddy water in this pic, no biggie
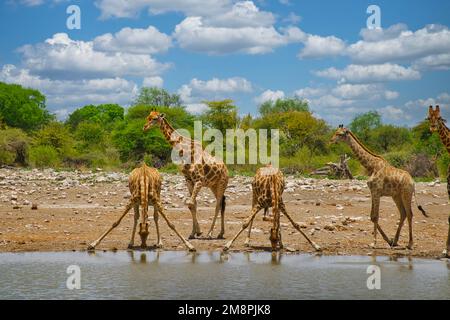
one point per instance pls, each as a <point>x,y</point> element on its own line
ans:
<point>210,275</point>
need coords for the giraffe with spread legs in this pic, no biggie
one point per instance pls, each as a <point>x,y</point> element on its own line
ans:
<point>267,187</point>
<point>437,123</point>
<point>145,188</point>
<point>384,180</point>
<point>199,168</point>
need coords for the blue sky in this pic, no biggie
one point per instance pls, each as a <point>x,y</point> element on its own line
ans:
<point>248,51</point>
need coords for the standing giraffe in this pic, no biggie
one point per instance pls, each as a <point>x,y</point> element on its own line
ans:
<point>267,187</point>
<point>384,180</point>
<point>145,188</point>
<point>203,170</point>
<point>437,123</point>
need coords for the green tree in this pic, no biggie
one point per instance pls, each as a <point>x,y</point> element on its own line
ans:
<point>283,105</point>
<point>220,115</point>
<point>56,135</point>
<point>298,129</point>
<point>157,97</point>
<point>386,138</point>
<point>22,107</point>
<point>362,124</point>
<point>91,135</point>
<point>106,114</point>
<point>246,122</point>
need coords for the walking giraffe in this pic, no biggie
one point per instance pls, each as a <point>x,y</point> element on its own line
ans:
<point>437,123</point>
<point>200,169</point>
<point>384,180</point>
<point>145,188</point>
<point>267,188</point>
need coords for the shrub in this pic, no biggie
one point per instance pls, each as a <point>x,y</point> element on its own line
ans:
<point>13,146</point>
<point>44,156</point>
<point>56,135</point>
<point>443,164</point>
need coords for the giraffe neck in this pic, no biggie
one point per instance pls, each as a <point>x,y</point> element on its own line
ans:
<point>368,159</point>
<point>168,131</point>
<point>444,134</point>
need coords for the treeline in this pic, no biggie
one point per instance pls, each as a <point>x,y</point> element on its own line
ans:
<point>110,136</point>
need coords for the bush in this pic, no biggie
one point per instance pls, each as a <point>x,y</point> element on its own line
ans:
<point>421,165</point>
<point>56,135</point>
<point>443,164</point>
<point>398,159</point>
<point>44,156</point>
<point>13,147</point>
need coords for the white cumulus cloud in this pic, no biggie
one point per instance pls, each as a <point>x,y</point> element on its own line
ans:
<point>196,91</point>
<point>317,47</point>
<point>269,95</point>
<point>370,73</point>
<point>192,34</point>
<point>63,58</point>
<point>137,41</point>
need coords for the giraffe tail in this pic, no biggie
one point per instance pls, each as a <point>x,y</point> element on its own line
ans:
<point>421,209</point>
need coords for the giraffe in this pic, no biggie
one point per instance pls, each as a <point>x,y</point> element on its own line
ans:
<point>384,180</point>
<point>267,188</point>
<point>145,188</point>
<point>201,170</point>
<point>437,123</point>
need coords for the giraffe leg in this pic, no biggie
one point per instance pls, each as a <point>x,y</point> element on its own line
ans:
<point>222,219</point>
<point>159,243</point>
<point>115,224</point>
<point>401,208</point>
<point>135,220</point>
<point>247,241</point>
<point>244,226</point>
<point>447,251</point>
<point>192,205</point>
<point>159,207</point>
<point>406,199</point>
<point>297,227</point>
<point>219,194</point>
<point>374,217</point>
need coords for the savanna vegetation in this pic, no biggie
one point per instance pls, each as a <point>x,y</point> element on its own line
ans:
<point>110,136</point>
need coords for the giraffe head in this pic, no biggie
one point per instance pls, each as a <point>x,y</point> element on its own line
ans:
<point>434,117</point>
<point>341,134</point>
<point>153,118</point>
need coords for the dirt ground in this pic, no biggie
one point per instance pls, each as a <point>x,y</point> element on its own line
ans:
<point>74,208</point>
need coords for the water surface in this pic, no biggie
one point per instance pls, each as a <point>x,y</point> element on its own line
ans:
<point>210,275</point>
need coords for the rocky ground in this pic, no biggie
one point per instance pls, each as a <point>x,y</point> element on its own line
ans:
<point>74,208</point>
